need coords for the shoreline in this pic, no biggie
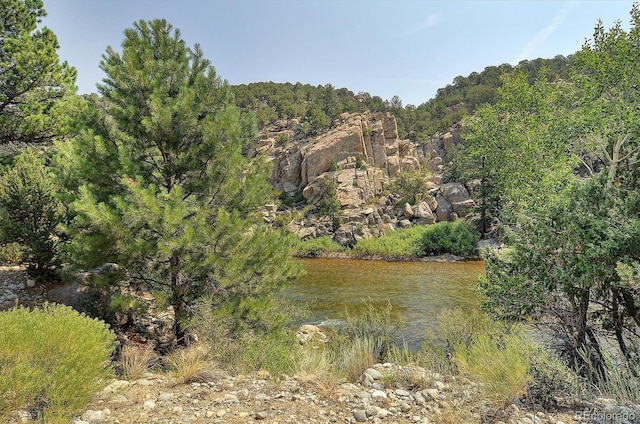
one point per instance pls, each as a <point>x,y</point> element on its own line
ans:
<point>438,258</point>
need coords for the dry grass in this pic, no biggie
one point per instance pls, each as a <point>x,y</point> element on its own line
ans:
<point>135,361</point>
<point>357,356</point>
<point>190,364</point>
<point>316,370</point>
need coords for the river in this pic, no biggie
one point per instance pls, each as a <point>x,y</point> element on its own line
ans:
<point>417,291</point>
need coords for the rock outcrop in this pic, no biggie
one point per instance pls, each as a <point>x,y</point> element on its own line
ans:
<point>360,156</point>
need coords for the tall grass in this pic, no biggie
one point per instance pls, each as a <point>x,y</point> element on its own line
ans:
<point>135,361</point>
<point>190,364</point>
<point>498,363</point>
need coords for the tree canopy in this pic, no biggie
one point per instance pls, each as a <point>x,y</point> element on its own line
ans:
<point>561,156</point>
<point>173,197</point>
<point>32,78</point>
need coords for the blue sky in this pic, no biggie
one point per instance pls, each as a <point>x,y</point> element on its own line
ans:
<point>386,48</point>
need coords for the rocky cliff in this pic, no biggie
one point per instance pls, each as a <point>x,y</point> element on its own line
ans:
<point>360,155</point>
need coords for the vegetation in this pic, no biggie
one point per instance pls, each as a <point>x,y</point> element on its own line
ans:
<point>30,214</point>
<point>53,361</point>
<point>313,247</point>
<point>329,205</point>
<point>173,200</point>
<point>574,235</point>
<point>32,78</point>
<point>320,105</point>
<point>409,187</point>
<point>159,178</point>
<point>457,238</point>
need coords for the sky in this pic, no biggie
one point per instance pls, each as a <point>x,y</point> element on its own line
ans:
<point>386,48</point>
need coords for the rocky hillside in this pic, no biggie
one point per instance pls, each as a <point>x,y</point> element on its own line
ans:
<point>361,155</point>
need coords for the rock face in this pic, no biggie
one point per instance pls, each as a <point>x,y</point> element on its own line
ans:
<point>366,139</point>
<point>360,156</point>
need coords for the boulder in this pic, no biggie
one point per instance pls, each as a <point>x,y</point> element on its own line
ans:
<point>464,208</point>
<point>444,209</point>
<point>308,333</point>
<point>407,210</point>
<point>455,192</point>
<point>448,143</point>
<point>423,212</point>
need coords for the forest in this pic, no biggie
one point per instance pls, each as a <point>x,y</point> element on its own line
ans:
<point>154,185</point>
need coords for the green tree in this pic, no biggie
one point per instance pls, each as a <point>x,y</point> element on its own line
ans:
<point>606,73</point>
<point>518,148</point>
<point>573,255</point>
<point>32,78</point>
<point>30,212</point>
<point>564,261</point>
<point>329,205</point>
<point>179,214</point>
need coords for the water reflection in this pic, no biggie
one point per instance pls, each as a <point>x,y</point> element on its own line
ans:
<point>418,291</point>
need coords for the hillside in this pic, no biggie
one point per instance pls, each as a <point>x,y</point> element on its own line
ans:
<point>318,106</point>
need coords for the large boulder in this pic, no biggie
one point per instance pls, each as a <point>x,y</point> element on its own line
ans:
<point>444,209</point>
<point>464,208</point>
<point>454,192</point>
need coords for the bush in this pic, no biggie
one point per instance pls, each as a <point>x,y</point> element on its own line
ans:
<point>316,246</point>
<point>248,337</point>
<point>11,254</point>
<point>409,187</point>
<point>551,379</point>
<point>457,238</point>
<point>404,243</point>
<point>190,364</point>
<point>487,351</point>
<point>135,361</point>
<point>54,360</point>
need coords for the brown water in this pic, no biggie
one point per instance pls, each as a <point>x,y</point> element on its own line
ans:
<point>417,291</point>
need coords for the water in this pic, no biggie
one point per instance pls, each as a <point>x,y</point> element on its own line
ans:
<point>417,291</point>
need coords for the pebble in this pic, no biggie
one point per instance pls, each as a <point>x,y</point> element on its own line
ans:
<point>165,397</point>
<point>249,399</point>
<point>149,404</point>
<point>378,394</point>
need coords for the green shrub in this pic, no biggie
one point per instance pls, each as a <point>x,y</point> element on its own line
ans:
<point>551,379</point>
<point>500,364</point>
<point>409,187</point>
<point>53,359</point>
<point>375,324</point>
<point>458,238</point>
<point>250,336</point>
<point>403,243</point>
<point>282,139</point>
<point>489,352</point>
<point>316,246</point>
<point>12,254</point>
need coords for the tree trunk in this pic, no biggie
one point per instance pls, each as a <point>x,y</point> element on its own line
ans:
<point>177,301</point>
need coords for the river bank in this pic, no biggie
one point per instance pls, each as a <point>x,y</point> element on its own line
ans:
<point>385,393</point>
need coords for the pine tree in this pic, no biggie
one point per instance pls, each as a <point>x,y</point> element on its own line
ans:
<point>173,195</point>
<point>30,212</point>
<point>32,78</point>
